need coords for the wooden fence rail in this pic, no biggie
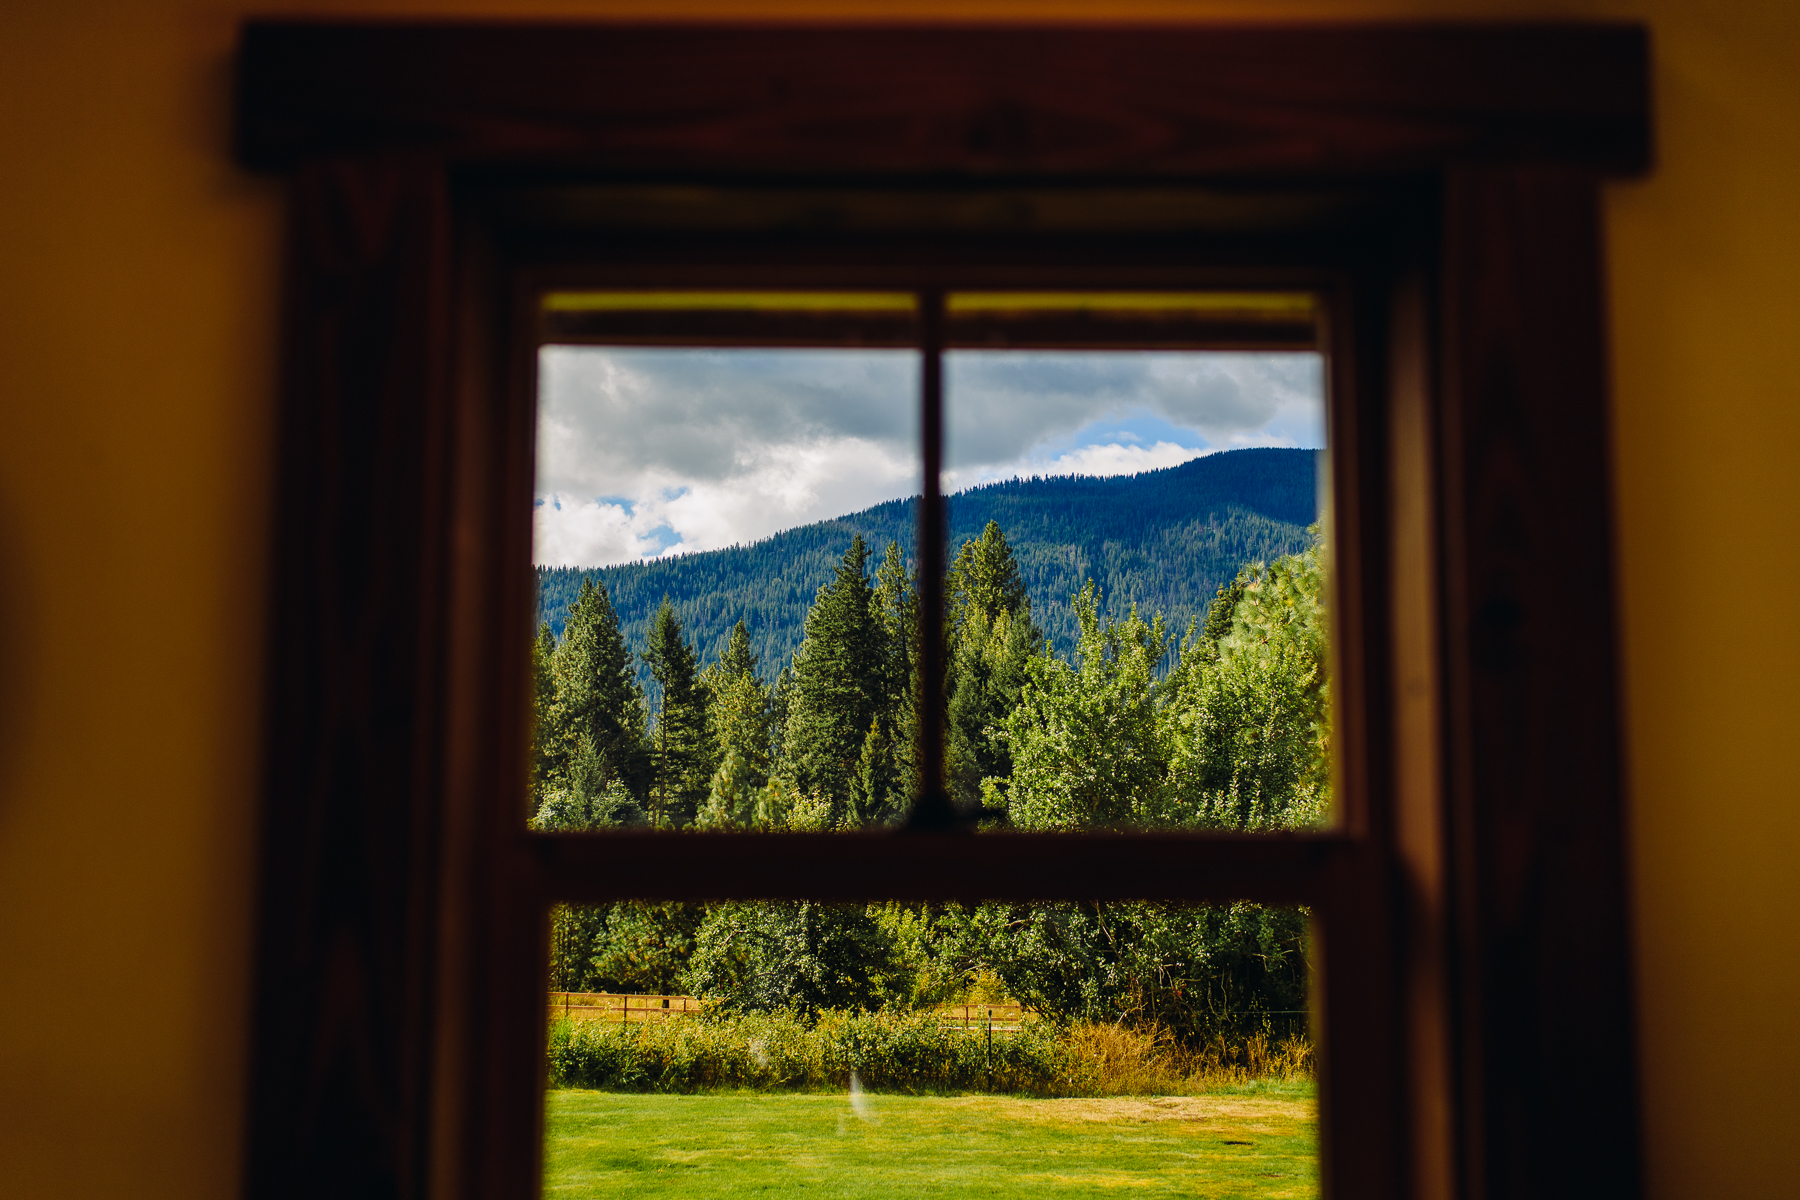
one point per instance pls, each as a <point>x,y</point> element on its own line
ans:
<point>608,1006</point>
<point>621,1009</point>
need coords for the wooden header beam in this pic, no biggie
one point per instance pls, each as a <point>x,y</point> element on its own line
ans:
<point>774,101</point>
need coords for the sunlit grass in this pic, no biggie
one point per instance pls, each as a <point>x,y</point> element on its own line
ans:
<point>1258,1140</point>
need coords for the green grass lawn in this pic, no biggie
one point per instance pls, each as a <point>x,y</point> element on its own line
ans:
<point>1261,1142</point>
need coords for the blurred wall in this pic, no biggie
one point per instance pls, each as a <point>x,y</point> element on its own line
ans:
<point>138,284</point>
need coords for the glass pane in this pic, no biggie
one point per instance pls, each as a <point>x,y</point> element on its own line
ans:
<point>692,502</point>
<point>1139,632</point>
<point>979,1049</point>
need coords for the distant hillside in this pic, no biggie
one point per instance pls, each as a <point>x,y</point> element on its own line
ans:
<point>1164,539</point>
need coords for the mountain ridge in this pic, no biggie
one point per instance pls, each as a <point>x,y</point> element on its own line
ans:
<point>1163,539</point>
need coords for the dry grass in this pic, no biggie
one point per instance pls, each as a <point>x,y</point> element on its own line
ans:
<point>1114,1060</point>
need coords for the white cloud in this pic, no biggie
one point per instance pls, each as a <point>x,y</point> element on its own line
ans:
<point>785,486</point>
<point>645,452</point>
<point>567,533</point>
<point>1110,458</point>
<point>1004,404</point>
<point>1116,459</point>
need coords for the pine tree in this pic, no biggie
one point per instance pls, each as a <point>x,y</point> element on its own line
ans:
<point>985,578</point>
<point>873,784</point>
<point>992,636</point>
<point>543,689</point>
<point>738,658</point>
<point>682,771</point>
<point>896,767</point>
<point>738,715</point>
<point>584,798</point>
<point>1222,610</point>
<point>897,609</point>
<point>596,698</point>
<point>841,683</point>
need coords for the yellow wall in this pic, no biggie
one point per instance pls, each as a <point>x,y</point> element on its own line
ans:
<point>137,305</point>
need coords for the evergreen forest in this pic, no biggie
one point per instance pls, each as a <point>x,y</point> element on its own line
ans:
<point>1163,540</point>
<point>1210,710</point>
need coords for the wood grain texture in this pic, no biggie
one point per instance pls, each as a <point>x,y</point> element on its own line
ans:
<point>341,1052</point>
<point>1358,1018</point>
<point>771,101</point>
<point>1536,790</point>
<point>399,1019</point>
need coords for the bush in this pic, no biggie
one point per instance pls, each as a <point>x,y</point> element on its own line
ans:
<point>889,1051</point>
<point>900,1051</point>
<point>1118,1060</point>
<point>773,955</point>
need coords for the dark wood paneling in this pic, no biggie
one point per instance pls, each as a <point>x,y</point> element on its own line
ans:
<point>1534,773</point>
<point>1358,1020</point>
<point>1277,869</point>
<point>342,1039</point>
<point>398,618</point>
<point>707,329</point>
<point>767,100</point>
<point>678,328</point>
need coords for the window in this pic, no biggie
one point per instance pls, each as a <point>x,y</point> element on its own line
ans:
<point>1435,187</point>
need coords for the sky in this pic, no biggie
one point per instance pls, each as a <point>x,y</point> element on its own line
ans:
<point>644,451</point>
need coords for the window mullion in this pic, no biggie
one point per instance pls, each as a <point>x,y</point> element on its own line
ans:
<point>932,810</point>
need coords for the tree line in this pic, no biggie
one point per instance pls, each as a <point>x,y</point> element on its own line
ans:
<point>1235,735</point>
<point>1162,539</point>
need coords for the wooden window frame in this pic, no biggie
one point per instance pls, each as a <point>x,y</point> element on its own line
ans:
<point>1475,1015</point>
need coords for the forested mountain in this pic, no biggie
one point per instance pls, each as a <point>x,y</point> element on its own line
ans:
<point>1165,540</point>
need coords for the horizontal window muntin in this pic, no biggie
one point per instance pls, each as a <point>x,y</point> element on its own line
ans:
<point>1239,320</point>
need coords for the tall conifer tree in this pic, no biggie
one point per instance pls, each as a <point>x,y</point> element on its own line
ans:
<point>597,698</point>
<point>992,636</point>
<point>738,716</point>
<point>543,696</point>
<point>682,767</point>
<point>841,684</point>
<point>892,758</point>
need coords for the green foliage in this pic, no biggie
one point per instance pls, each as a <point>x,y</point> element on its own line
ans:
<point>682,753</point>
<point>731,799</point>
<point>767,955</point>
<point>1088,744</point>
<point>1197,971</point>
<point>984,580</point>
<point>632,946</point>
<point>1250,712</point>
<point>891,1051</point>
<point>992,639</point>
<point>574,930</point>
<point>1235,735</point>
<point>1162,540</point>
<point>739,721</point>
<point>925,968</point>
<point>543,696</point>
<point>585,799</point>
<point>598,709</point>
<point>845,679</point>
<point>1237,738</point>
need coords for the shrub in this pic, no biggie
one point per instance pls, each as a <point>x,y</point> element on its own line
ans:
<point>900,1051</point>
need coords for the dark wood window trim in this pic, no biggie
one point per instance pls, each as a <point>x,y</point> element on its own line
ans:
<point>1438,183</point>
